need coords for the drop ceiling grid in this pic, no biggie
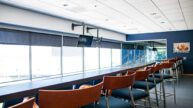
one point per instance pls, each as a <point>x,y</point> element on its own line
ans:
<point>133,24</point>
<point>125,11</point>
<point>187,9</point>
<point>150,9</point>
<point>133,14</point>
<point>111,15</point>
<point>140,17</point>
<point>119,15</point>
<point>98,15</point>
<point>173,16</point>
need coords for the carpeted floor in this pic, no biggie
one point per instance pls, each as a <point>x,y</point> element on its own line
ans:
<point>184,93</point>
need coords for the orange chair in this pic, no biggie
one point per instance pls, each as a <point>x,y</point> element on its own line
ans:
<point>138,94</point>
<point>166,74</point>
<point>69,98</point>
<point>142,83</point>
<point>112,83</point>
<point>27,104</point>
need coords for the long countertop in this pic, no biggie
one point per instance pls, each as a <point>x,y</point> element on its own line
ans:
<point>31,88</point>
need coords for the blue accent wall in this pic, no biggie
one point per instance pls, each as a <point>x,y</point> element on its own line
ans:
<point>172,37</point>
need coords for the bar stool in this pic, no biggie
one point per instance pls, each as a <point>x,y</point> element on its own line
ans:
<point>181,65</point>
<point>26,104</point>
<point>141,75</point>
<point>166,74</point>
<point>70,98</point>
<point>112,83</point>
<point>175,68</point>
<point>153,79</point>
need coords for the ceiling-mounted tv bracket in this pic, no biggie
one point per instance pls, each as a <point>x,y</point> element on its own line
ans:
<point>90,28</point>
<point>75,25</point>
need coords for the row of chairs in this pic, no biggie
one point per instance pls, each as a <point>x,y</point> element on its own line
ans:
<point>113,91</point>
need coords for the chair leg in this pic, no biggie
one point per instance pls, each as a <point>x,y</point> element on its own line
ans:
<point>107,102</point>
<point>149,101</point>
<point>164,95</point>
<point>107,99</point>
<point>174,91</point>
<point>156,96</point>
<point>160,90</point>
<point>132,98</point>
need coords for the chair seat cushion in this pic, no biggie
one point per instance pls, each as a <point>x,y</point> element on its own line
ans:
<point>157,80</point>
<point>142,85</point>
<point>113,103</point>
<point>165,76</point>
<point>124,93</point>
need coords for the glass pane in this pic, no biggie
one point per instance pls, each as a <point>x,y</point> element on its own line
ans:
<point>14,63</point>
<point>151,55</point>
<point>72,60</point>
<point>131,56</point>
<point>116,57</point>
<point>91,58</point>
<point>142,56</point>
<point>105,57</point>
<point>137,56</point>
<point>45,61</point>
<point>161,53</point>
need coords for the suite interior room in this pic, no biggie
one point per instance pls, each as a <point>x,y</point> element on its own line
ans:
<point>96,53</point>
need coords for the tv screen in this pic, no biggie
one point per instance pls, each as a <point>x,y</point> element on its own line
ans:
<point>85,41</point>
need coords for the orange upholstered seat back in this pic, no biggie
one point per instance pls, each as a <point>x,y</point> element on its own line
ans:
<point>142,74</point>
<point>166,65</point>
<point>69,98</point>
<point>117,82</point>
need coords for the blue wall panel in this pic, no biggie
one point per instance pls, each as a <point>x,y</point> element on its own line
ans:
<point>172,37</point>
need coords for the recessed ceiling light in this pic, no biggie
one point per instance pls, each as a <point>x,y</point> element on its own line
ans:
<point>95,5</point>
<point>153,13</point>
<point>106,19</point>
<point>162,22</point>
<point>65,5</point>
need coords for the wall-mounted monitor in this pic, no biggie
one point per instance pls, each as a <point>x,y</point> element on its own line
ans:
<point>85,41</point>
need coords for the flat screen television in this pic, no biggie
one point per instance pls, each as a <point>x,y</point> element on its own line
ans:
<point>85,41</point>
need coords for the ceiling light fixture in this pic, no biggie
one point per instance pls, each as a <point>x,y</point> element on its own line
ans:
<point>163,22</point>
<point>65,5</point>
<point>153,13</point>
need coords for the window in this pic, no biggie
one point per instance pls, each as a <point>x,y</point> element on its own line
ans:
<point>151,55</point>
<point>116,57</point>
<point>105,57</point>
<point>91,58</point>
<point>72,60</point>
<point>143,56</point>
<point>137,55</point>
<point>161,53</point>
<point>14,63</point>
<point>131,56</point>
<point>45,61</point>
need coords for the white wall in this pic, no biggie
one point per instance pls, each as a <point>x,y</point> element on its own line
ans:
<point>13,15</point>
